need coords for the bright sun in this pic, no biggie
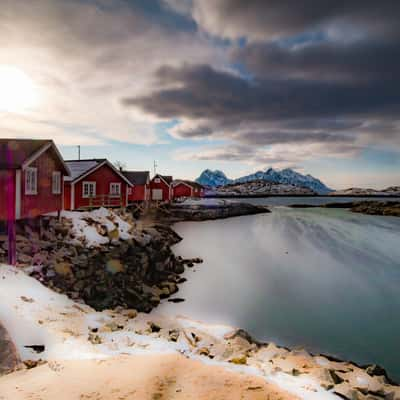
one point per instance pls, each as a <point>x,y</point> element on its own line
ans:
<point>18,92</point>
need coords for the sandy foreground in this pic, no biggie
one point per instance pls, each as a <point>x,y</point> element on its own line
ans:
<point>152,377</point>
<point>122,354</point>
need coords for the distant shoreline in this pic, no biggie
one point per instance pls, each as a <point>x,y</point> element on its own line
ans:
<point>250,196</point>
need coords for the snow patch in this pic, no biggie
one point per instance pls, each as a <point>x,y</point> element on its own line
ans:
<point>84,226</point>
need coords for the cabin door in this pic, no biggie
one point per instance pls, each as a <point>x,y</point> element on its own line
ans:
<point>157,194</point>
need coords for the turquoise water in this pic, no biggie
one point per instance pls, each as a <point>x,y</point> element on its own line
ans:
<point>324,279</point>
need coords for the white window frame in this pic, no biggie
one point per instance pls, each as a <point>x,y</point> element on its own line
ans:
<point>157,180</point>
<point>113,186</point>
<point>31,181</point>
<point>56,182</point>
<point>88,184</point>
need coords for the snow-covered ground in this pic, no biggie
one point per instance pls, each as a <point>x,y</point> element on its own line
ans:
<point>85,226</point>
<point>34,315</point>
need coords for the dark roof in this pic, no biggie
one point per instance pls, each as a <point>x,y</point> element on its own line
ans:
<point>167,178</point>
<point>190,183</point>
<point>80,167</point>
<point>14,152</point>
<point>137,177</point>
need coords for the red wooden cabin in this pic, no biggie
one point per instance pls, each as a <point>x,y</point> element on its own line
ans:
<point>185,188</point>
<point>31,182</point>
<point>141,186</point>
<point>161,188</point>
<point>95,183</point>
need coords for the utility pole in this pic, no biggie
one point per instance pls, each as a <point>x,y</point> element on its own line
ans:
<point>79,152</point>
<point>155,165</point>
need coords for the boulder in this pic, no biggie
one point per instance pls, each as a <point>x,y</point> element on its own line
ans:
<point>242,360</point>
<point>9,359</point>
<point>113,234</point>
<point>63,268</point>
<point>24,259</point>
<point>114,266</point>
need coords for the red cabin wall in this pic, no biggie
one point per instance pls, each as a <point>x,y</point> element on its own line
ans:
<point>67,195</point>
<point>199,193</point>
<point>103,177</point>
<point>44,201</point>
<point>7,194</point>
<point>182,190</point>
<point>162,185</point>
<point>139,193</point>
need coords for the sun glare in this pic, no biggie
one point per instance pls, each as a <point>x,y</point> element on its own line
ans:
<point>18,93</point>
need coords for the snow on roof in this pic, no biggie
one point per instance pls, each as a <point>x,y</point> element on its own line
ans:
<point>79,167</point>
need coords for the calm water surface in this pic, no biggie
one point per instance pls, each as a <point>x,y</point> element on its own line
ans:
<point>325,279</point>
<point>316,201</point>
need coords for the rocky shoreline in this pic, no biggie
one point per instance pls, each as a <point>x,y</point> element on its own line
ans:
<point>204,210</point>
<point>99,335</point>
<point>135,271</point>
<point>107,259</point>
<point>387,208</point>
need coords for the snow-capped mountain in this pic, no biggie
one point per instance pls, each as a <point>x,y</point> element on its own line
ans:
<point>286,176</point>
<point>213,178</point>
<point>289,177</point>
<point>261,187</point>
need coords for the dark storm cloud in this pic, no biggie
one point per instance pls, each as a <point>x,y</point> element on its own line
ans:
<point>201,92</point>
<point>322,74</point>
<point>329,61</point>
<point>263,19</point>
<point>270,138</point>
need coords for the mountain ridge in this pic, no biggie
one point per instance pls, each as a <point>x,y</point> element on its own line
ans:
<point>286,176</point>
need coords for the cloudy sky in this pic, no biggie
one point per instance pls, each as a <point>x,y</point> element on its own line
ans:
<point>229,84</point>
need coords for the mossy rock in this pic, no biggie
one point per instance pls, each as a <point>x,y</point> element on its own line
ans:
<point>239,360</point>
<point>114,234</point>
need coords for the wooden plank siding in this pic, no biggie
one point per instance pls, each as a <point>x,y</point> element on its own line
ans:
<point>44,201</point>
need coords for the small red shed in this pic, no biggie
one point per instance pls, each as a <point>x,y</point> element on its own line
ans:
<point>31,182</point>
<point>95,183</point>
<point>185,188</point>
<point>161,188</point>
<point>141,186</point>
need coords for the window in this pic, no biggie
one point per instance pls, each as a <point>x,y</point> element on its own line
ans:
<point>31,181</point>
<point>157,180</point>
<point>56,182</point>
<point>89,189</point>
<point>115,189</point>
